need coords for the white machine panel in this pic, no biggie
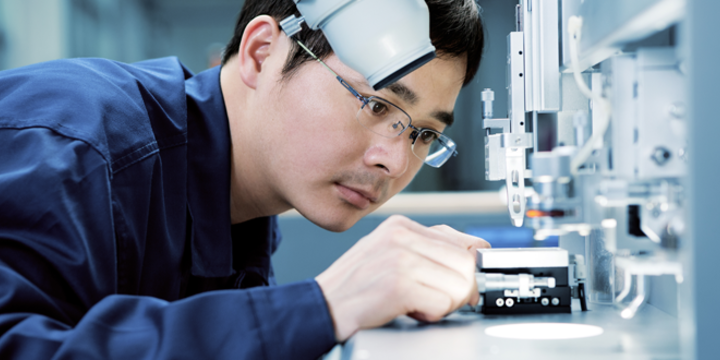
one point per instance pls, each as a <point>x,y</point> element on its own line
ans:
<point>521,258</point>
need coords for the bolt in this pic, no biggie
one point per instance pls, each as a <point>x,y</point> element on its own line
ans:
<point>499,302</point>
<point>545,302</point>
<point>509,302</point>
<point>682,153</point>
<point>677,110</point>
<point>555,301</point>
<point>661,155</point>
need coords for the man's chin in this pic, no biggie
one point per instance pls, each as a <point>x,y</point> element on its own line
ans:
<point>335,222</point>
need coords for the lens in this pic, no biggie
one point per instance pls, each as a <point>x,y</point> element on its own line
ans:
<point>383,117</point>
<point>433,147</point>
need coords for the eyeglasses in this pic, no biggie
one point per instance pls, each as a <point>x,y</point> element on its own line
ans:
<point>389,120</point>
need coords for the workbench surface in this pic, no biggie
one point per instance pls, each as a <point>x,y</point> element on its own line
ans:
<point>651,334</point>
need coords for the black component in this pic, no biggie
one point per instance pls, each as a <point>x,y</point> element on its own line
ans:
<point>404,71</point>
<point>559,273</point>
<point>529,306</point>
<point>634,221</point>
<point>581,295</point>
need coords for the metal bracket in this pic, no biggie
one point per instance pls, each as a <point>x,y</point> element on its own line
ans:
<point>292,25</point>
<point>514,140</point>
<point>515,183</point>
<point>503,124</point>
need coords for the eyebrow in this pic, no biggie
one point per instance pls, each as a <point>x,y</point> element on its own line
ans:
<point>403,92</point>
<point>409,96</point>
<point>444,116</point>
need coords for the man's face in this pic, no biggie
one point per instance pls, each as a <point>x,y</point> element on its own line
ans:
<point>318,157</point>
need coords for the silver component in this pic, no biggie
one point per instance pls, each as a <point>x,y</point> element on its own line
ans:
<point>552,165</point>
<point>659,85</point>
<point>661,155</point>
<point>516,83</point>
<point>515,154</point>
<point>534,293</point>
<point>580,124</point>
<point>542,56</point>
<point>494,157</point>
<point>639,268</point>
<point>521,258</point>
<point>515,184</point>
<point>520,286</point>
<point>488,96</point>
<point>577,269</point>
<point>292,25</point>
<point>509,302</point>
<point>678,110</point>
<point>544,301</point>
<point>503,124</point>
<point>610,24</point>
<point>524,140</point>
<point>555,301</point>
<point>500,302</point>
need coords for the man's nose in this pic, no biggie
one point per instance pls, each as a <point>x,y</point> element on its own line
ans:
<point>392,155</point>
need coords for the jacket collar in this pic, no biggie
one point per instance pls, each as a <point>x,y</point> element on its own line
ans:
<point>208,176</point>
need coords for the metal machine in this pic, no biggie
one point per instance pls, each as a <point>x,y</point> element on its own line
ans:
<point>529,281</point>
<point>608,104</point>
<point>614,174</point>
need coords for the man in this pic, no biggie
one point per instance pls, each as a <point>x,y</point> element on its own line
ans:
<point>119,185</point>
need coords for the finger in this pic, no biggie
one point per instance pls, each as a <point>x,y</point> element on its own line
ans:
<point>442,253</point>
<point>399,220</point>
<point>448,281</point>
<point>427,304</point>
<point>469,242</point>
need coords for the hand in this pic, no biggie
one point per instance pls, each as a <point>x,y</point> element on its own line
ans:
<point>401,268</point>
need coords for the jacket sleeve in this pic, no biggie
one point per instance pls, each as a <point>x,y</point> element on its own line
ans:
<point>58,276</point>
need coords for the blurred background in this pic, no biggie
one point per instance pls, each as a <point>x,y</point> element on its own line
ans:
<point>195,31</point>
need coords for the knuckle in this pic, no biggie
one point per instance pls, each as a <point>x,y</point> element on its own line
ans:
<point>398,236</point>
<point>396,220</point>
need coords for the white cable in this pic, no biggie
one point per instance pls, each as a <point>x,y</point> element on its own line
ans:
<point>575,30</point>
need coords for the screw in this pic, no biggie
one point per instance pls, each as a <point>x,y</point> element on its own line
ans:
<point>677,110</point>
<point>555,301</point>
<point>499,302</point>
<point>661,155</point>
<point>545,302</point>
<point>682,153</point>
<point>509,302</point>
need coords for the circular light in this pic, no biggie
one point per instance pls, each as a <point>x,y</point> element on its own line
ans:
<point>544,331</point>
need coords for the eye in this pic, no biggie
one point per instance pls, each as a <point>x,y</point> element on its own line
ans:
<point>377,108</point>
<point>427,137</point>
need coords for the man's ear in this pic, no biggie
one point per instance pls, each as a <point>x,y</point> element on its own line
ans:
<point>258,41</point>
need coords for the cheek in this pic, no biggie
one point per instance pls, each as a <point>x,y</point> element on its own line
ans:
<point>316,139</point>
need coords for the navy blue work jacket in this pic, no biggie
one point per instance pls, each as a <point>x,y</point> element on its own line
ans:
<point>115,235</point>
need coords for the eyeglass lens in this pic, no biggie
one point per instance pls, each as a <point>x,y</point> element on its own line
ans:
<point>386,119</point>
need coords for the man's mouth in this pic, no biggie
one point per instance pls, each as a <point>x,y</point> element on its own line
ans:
<point>359,198</point>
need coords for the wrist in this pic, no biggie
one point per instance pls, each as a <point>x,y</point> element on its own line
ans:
<point>343,322</point>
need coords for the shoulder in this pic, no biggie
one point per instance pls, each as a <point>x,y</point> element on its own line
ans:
<point>107,104</point>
